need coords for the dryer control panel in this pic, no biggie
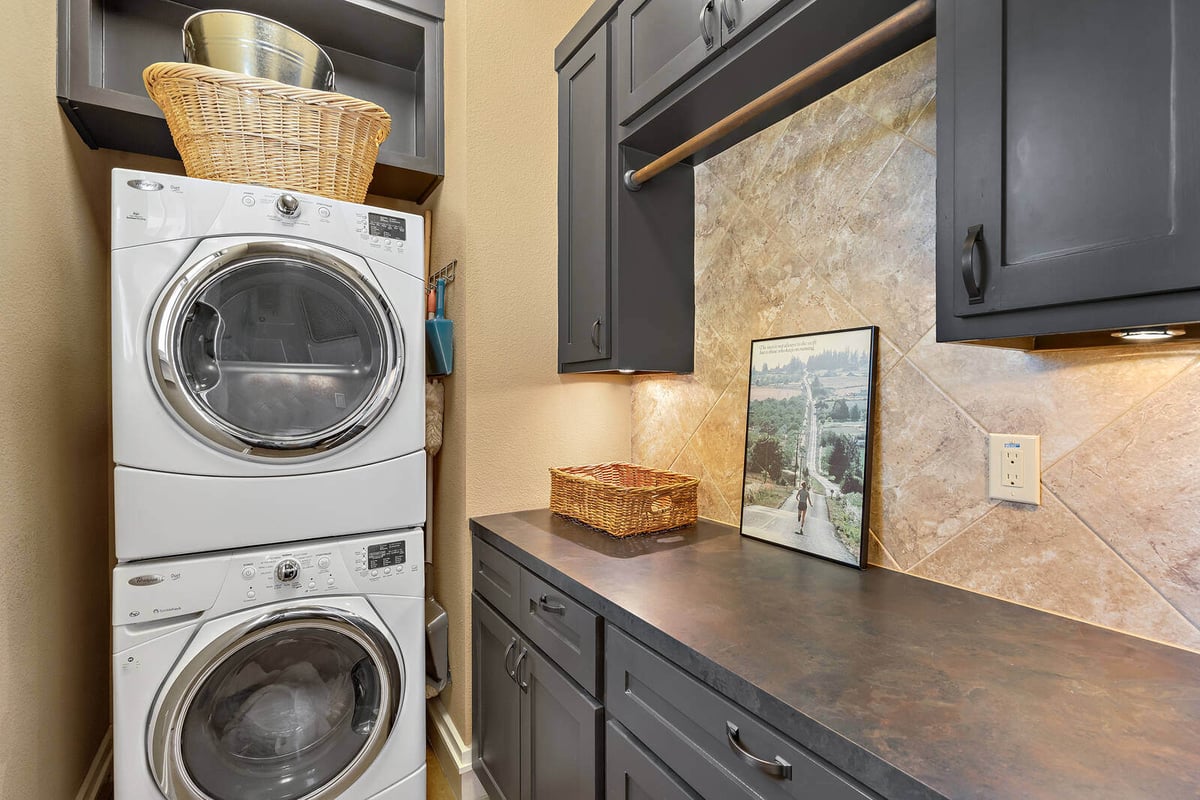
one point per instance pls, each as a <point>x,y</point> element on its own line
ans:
<point>388,563</point>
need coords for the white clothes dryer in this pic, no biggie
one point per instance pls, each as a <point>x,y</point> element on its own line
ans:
<point>268,365</point>
<point>294,672</point>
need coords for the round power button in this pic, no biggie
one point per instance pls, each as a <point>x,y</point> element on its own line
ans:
<point>287,570</point>
<point>323,562</point>
<point>248,572</point>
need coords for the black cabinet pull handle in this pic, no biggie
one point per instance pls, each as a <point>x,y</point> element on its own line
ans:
<point>596,333</point>
<point>551,608</point>
<point>512,673</point>
<point>727,15</point>
<point>972,277</point>
<point>776,769</point>
<point>524,684</point>
<point>705,33</point>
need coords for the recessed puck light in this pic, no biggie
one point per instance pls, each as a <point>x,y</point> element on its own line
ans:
<point>1149,334</point>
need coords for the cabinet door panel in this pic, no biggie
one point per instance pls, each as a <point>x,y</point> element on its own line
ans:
<point>631,773</point>
<point>497,704</point>
<point>1074,149</point>
<point>560,734</point>
<point>659,43</point>
<point>584,164</point>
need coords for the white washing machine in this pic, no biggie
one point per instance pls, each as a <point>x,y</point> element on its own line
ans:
<point>268,364</point>
<point>293,672</point>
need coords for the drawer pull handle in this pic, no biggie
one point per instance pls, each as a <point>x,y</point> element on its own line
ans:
<point>551,608</point>
<point>776,769</point>
<point>705,33</point>
<point>972,274</point>
<point>512,673</point>
<point>517,671</point>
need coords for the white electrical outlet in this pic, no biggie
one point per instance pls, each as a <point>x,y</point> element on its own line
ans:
<point>1015,468</point>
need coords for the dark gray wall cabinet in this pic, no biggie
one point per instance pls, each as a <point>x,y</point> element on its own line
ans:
<point>1068,170</point>
<point>673,68</point>
<point>659,43</point>
<point>385,51</point>
<point>626,298</point>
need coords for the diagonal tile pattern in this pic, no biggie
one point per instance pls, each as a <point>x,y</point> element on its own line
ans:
<point>826,220</point>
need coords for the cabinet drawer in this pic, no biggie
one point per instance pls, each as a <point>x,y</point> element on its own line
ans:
<point>496,577</point>
<point>633,774</point>
<point>565,630</point>
<point>688,726</point>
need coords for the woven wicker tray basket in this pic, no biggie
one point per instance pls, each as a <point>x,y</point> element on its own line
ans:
<point>624,499</point>
<point>232,127</point>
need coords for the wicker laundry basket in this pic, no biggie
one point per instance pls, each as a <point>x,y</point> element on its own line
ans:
<point>232,127</point>
<point>624,499</point>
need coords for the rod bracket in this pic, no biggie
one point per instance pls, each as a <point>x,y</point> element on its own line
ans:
<point>631,183</point>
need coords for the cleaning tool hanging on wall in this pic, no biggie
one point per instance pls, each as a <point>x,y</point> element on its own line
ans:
<point>439,337</point>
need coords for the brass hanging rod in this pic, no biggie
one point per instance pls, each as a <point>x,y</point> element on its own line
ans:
<point>897,24</point>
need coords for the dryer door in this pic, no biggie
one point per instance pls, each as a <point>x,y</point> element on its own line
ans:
<point>297,705</point>
<point>276,349</point>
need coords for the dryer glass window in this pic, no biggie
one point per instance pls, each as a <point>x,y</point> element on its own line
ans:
<point>279,351</point>
<point>282,717</point>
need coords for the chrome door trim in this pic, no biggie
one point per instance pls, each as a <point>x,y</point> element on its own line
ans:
<point>163,742</point>
<point>163,352</point>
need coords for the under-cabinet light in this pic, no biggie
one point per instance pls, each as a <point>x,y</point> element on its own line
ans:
<point>1149,334</point>
<point>627,371</point>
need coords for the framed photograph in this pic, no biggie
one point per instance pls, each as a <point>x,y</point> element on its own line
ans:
<point>807,474</point>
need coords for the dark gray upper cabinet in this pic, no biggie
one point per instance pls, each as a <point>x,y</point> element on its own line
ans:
<point>585,170</point>
<point>1068,169</point>
<point>659,43</point>
<point>626,300</point>
<point>384,51</point>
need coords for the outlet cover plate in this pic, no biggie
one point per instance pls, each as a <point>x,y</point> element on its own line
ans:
<point>1015,468</point>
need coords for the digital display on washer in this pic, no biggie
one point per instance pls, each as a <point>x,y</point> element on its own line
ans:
<point>383,225</point>
<point>388,554</point>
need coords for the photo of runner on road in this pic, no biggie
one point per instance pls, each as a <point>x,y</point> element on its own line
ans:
<point>802,504</point>
<point>808,428</point>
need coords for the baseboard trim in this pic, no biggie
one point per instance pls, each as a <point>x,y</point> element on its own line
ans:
<point>453,753</point>
<point>99,774</point>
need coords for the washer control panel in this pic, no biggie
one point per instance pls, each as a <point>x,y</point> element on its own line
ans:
<point>387,563</point>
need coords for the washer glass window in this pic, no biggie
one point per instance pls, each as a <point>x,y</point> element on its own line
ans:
<point>282,717</point>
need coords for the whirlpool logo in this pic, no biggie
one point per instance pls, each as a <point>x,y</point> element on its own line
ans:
<point>146,580</point>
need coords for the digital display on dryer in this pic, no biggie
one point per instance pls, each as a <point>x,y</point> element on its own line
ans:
<point>388,227</point>
<point>388,554</point>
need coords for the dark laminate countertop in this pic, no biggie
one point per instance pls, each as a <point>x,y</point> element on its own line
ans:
<point>915,688</point>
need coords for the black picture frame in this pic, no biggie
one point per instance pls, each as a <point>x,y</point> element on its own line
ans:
<point>832,439</point>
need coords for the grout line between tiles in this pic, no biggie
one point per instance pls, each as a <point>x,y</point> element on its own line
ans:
<point>961,531</point>
<point>1063,614</point>
<point>1083,521</point>
<point>1136,404</point>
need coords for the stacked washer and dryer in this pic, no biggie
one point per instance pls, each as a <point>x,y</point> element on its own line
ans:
<point>268,434</point>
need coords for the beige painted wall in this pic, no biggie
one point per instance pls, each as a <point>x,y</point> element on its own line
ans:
<point>826,221</point>
<point>54,412</point>
<point>509,415</point>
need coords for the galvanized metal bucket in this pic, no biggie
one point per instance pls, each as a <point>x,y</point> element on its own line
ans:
<point>248,43</point>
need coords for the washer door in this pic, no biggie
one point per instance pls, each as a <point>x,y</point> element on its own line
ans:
<point>296,705</point>
<point>275,349</point>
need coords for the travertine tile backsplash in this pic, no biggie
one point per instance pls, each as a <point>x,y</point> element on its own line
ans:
<point>825,221</point>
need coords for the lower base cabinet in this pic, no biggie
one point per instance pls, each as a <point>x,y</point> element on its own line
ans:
<point>537,734</point>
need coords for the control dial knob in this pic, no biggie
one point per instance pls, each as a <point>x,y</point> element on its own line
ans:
<point>288,205</point>
<point>287,570</point>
